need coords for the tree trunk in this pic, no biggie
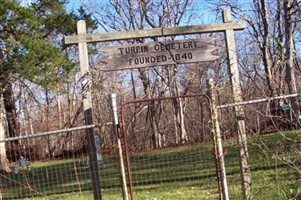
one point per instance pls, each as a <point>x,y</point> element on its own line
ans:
<point>177,138</point>
<point>3,158</point>
<point>179,121</point>
<point>50,143</point>
<point>12,121</point>
<point>152,110</point>
<point>11,113</point>
<point>59,109</point>
<point>28,126</point>
<point>178,107</point>
<point>290,71</point>
<point>4,168</point>
<point>265,47</point>
<point>184,135</point>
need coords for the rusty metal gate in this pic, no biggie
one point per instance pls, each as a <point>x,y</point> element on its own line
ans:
<point>166,150</point>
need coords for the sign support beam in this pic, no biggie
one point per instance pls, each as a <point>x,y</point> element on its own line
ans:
<point>239,110</point>
<point>87,101</point>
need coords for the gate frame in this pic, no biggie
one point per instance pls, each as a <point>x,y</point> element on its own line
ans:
<point>216,139</point>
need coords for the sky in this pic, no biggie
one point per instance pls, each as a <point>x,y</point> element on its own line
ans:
<point>73,5</point>
<point>206,15</point>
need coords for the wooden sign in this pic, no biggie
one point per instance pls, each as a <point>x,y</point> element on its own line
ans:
<point>157,54</point>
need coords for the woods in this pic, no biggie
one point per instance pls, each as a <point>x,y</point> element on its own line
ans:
<point>34,64</point>
<point>40,86</point>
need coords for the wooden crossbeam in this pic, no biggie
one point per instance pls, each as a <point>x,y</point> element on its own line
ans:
<point>155,32</point>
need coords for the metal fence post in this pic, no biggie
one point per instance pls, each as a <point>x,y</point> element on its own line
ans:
<point>119,146</point>
<point>218,140</point>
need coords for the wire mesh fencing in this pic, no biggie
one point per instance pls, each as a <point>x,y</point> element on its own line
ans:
<point>177,158</point>
<point>171,151</point>
<point>55,165</point>
<point>274,145</point>
<point>171,155</point>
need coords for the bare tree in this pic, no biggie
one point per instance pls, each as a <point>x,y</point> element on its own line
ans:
<point>268,59</point>
<point>133,15</point>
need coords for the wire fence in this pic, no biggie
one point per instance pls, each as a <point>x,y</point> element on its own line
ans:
<point>167,154</point>
<point>171,165</point>
<point>188,161</point>
<point>54,163</point>
<point>274,144</point>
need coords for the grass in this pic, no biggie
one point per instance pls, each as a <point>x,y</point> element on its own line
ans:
<point>186,172</point>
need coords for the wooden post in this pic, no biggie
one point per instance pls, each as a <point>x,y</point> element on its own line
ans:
<point>218,141</point>
<point>87,101</point>
<point>239,111</point>
<point>119,147</point>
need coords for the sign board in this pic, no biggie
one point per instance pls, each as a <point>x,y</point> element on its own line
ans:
<point>157,54</point>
